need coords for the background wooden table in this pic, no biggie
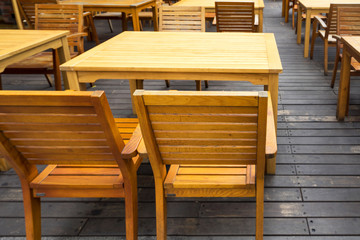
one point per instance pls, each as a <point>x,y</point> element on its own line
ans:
<point>351,49</point>
<point>251,57</point>
<point>209,6</point>
<point>313,7</point>
<point>16,45</point>
<point>132,7</point>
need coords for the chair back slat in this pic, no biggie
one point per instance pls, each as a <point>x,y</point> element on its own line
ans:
<point>235,16</point>
<point>348,20</point>
<point>173,18</point>
<point>27,9</point>
<point>202,128</point>
<point>60,128</point>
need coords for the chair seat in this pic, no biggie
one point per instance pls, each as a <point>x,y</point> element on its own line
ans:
<point>331,39</point>
<point>43,60</point>
<point>78,181</point>
<point>214,180</point>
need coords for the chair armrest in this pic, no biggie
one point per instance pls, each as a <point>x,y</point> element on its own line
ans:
<point>320,21</point>
<point>271,143</point>
<point>142,149</point>
<point>337,37</point>
<point>130,149</point>
<point>77,35</point>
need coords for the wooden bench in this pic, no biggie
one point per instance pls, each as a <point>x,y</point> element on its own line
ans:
<point>75,134</point>
<point>214,142</point>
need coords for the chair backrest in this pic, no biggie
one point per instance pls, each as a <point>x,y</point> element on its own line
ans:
<point>235,16</point>
<point>189,127</point>
<point>348,19</point>
<point>27,10</point>
<point>72,128</point>
<point>174,18</point>
<point>61,17</point>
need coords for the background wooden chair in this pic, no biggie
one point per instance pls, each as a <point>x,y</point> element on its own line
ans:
<point>214,143</point>
<point>53,17</point>
<point>76,135</point>
<point>348,24</point>
<point>189,19</point>
<point>326,32</point>
<point>235,17</point>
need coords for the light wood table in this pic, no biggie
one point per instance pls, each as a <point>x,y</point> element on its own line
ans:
<point>311,7</point>
<point>16,45</point>
<point>251,57</point>
<point>351,49</point>
<point>132,7</point>
<point>209,6</point>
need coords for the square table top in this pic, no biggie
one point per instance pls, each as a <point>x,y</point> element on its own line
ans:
<point>13,42</point>
<point>258,4</point>
<point>182,52</point>
<point>108,3</point>
<point>324,4</point>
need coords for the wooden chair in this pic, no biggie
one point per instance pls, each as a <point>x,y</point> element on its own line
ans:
<point>214,142</point>
<point>348,24</point>
<point>235,16</point>
<point>27,12</point>
<point>75,134</point>
<point>53,17</point>
<point>326,33</point>
<point>189,19</point>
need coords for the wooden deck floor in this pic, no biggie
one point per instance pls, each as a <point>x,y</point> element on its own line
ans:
<point>314,195</point>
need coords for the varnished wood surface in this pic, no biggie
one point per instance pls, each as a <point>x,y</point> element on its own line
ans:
<point>315,194</point>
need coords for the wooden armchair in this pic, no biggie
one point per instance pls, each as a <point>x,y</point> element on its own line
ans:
<point>53,17</point>
<point>214,142</point>
<point>326,32</point>
<point>235,17</point>
<point>189,19</point>
<point>75,134</point>
<point>348,24</point>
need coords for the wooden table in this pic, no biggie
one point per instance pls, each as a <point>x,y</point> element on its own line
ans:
<point>351,49</point>
<point>209,6</point>
<point>127,7</point>
<point>16,45</point>
<point>251,57</point>
<point>311,7</point>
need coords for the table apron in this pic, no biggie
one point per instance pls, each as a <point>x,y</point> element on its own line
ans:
<point>54,44</point>
<point>126,9</point>
<point>254,78</point>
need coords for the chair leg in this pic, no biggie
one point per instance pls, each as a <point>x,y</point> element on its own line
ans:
<point>337,59</point>
<point>260,209</point>
<point>49,79</point>
<point>110,25</point>
<point>161,222</point>
<point>56,67</point>
<point>93,30</point>
<point>198,85</point>
<point>167,82</point>
<point>206,84</point>
<point>131,209</point>
<point>326,46</point>
<point>293,18</point>
<point>313,38</point>
<point>0,83</point>
<point>32,209</point>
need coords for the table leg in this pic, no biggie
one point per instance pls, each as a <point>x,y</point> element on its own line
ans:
<point>136,21</point>
<point>299,24</point>
<point>155,17</point>
<point>261,21</point>
<point>307,33</point>
<point>64,56</point>
<point>287,11</point>
<point>17,14</point>
<point>124,21</point>
<point>344,86</point>
<point>135,84</point>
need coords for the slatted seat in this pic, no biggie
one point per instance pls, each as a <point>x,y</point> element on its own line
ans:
<point>214,142</point>
<point>75,134</point>
<point>53,17</point>
<point>188,19</point>
<point>235,16</point>
<point>348,24</point>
